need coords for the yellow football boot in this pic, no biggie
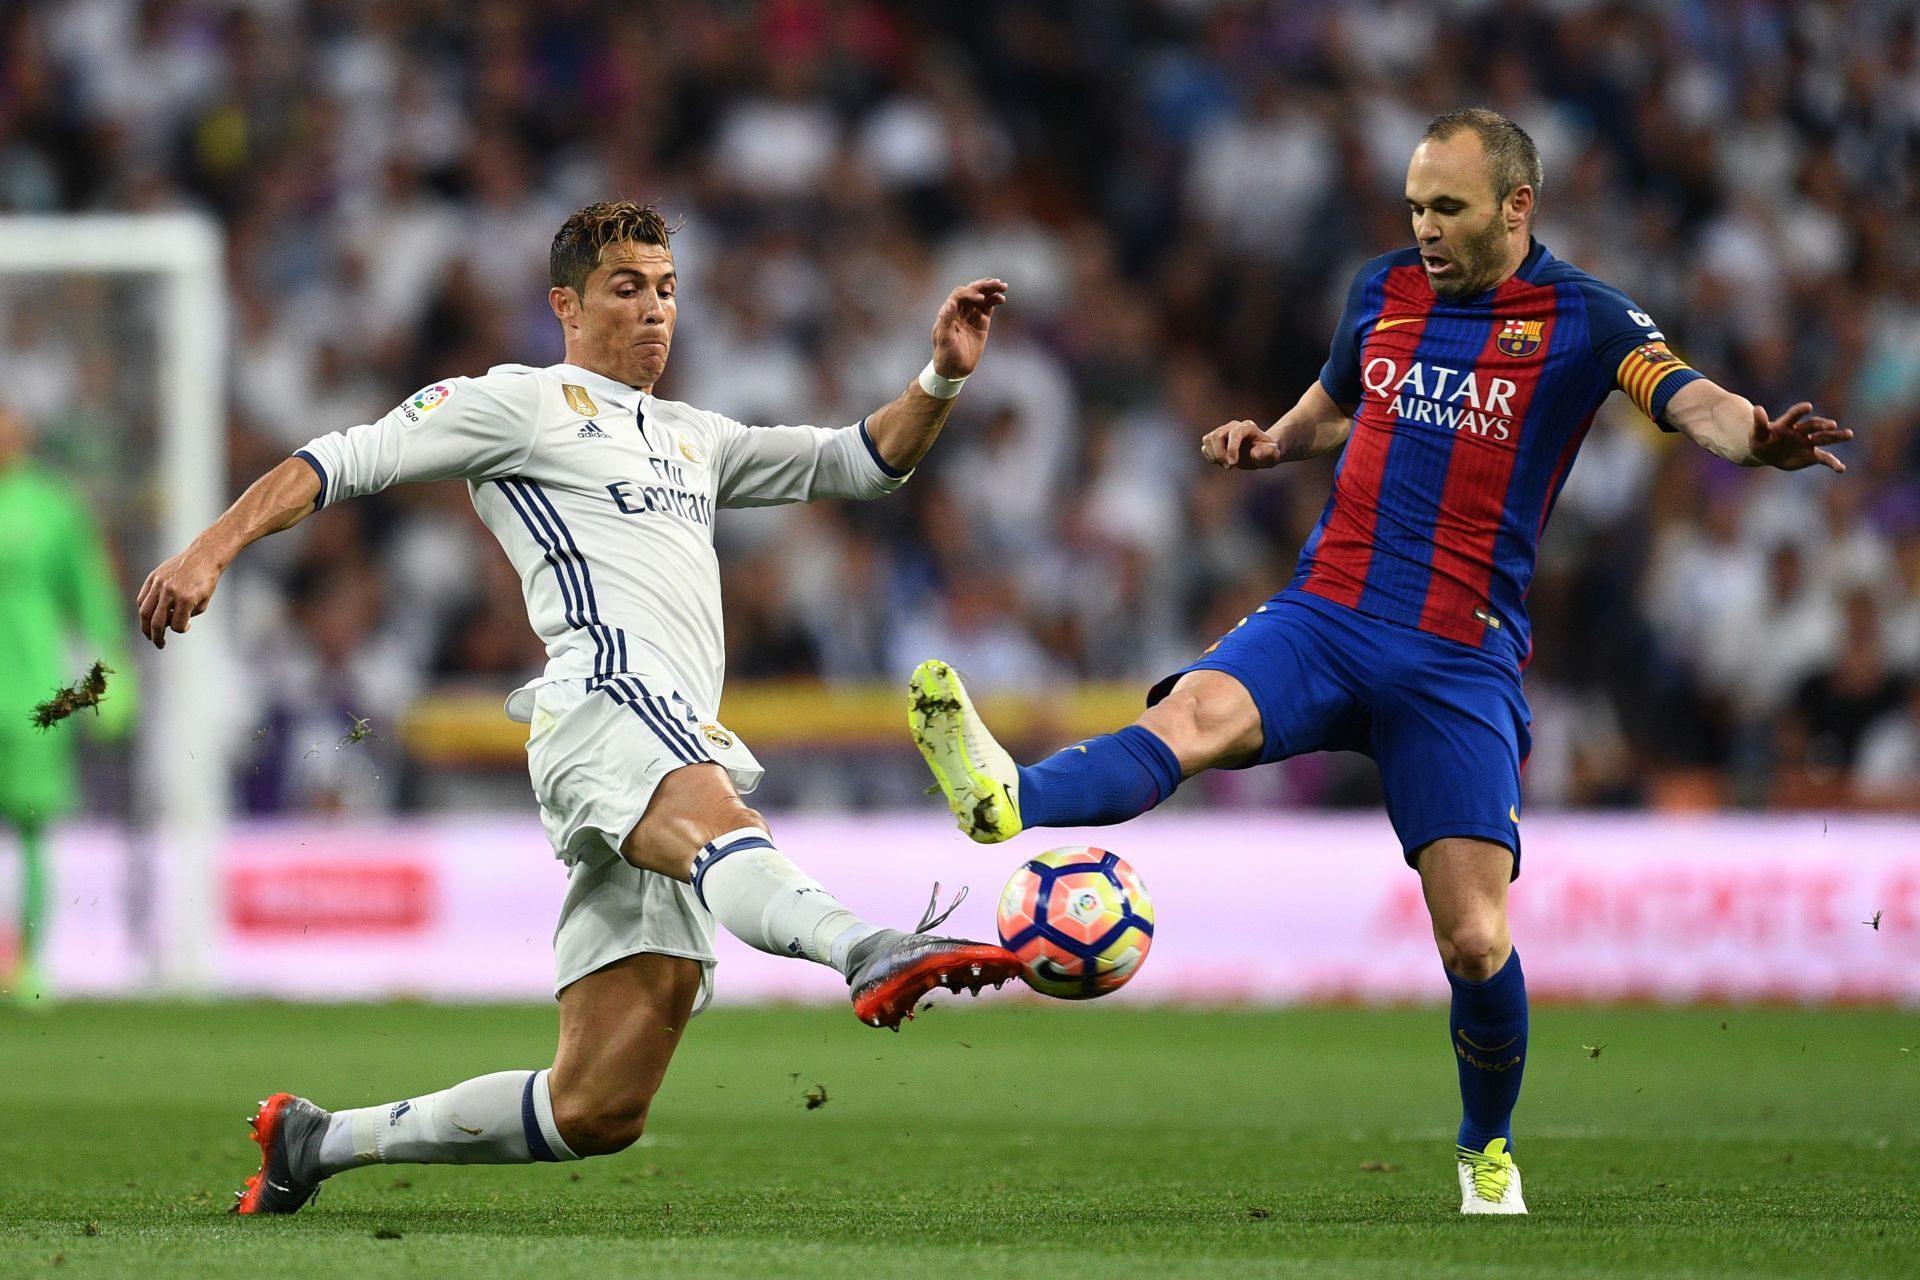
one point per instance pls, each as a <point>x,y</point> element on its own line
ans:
<point>979,778</point>
<point>1489,1180</point>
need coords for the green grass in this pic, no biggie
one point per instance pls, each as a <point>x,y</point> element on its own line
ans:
<point>998,1140</point>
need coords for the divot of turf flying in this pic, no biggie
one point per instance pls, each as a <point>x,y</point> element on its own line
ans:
<point>84,692</point>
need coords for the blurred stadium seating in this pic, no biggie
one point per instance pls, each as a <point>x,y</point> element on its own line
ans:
<point>1177,192</point>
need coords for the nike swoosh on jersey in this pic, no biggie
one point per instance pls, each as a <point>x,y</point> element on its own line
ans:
<point>1388,324</point>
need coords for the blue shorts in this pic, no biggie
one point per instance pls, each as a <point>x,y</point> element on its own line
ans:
<point>1447,724</point>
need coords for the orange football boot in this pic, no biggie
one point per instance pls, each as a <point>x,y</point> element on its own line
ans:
<point>289,1131</point>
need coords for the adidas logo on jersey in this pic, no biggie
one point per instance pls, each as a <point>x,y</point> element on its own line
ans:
<point>589,431</point>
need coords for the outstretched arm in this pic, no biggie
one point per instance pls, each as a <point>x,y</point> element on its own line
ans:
<point>906,428</point>
<point>1315,425</point>
<point>463,428</point>
<point>1738,430</point>
<point>177,592</point>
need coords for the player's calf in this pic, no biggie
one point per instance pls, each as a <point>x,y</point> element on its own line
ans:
<point>1465,884</point>
<point>1207,720</point>
<point>503,1118</point>
<point>600,1125</point>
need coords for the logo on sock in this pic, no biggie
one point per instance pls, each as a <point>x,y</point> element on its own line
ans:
<point>399,1109</point>
<point>1484,1064</point>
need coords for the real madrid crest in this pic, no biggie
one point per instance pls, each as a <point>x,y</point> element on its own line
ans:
<point>687,450</point>
<point>579,401</point>
<point>717,736</point>
<point>1520,338</point>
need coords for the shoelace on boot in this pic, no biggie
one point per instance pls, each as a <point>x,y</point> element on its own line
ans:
<point>1490,1175</point>
<point>929,919</point>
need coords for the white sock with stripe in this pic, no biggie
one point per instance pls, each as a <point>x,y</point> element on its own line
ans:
<point>770,904</point>
<point>503,1118</point>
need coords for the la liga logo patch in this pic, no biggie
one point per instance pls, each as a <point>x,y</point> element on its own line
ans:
<point>428,398</point>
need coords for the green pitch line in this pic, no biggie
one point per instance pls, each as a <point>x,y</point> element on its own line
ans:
<point>1016,1139</point>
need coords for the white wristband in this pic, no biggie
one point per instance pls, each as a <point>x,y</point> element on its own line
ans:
<point>938,387</point>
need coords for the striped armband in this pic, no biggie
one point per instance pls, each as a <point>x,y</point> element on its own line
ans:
<point>1650,375</point>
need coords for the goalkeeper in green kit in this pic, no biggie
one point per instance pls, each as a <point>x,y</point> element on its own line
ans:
<point>60,612</point>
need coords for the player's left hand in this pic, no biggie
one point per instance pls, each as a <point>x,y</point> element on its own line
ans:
<point>960,330</point>
<point>1796,438</point>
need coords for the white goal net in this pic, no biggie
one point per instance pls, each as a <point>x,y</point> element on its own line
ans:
<point>113,332</point>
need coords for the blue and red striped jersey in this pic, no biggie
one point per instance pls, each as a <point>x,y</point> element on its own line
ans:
<point>1469,414</point>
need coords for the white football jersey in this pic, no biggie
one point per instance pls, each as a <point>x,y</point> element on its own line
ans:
<point>603,497</point>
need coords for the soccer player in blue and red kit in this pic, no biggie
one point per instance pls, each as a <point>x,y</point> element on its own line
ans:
<point>1462,379</point>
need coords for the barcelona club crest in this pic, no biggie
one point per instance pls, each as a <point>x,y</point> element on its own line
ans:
<point>1520,337</point>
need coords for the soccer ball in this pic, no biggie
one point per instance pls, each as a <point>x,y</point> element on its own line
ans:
<point>1080,920</point>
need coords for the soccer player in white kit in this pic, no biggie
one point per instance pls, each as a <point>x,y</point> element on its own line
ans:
<point>604,497</point>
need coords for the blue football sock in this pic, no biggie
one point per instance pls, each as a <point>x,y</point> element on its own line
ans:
<point>1100,781</point>
<point>1489,1030</point>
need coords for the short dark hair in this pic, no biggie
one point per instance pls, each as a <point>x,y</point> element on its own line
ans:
<point>581,238</point>
<point>1512,159</point>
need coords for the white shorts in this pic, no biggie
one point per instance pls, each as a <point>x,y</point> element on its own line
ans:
<point>596,759</point>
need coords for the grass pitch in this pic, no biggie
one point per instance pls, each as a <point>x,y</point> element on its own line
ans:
<point>1000,1140</point>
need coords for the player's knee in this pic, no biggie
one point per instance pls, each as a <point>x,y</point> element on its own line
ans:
<point>1474,948</point>
<point>601,1126</point>
<point>1201,728</point>
<point>739,815</point>
<point>684,815</point>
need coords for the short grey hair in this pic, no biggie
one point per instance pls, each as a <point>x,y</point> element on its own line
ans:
<point>1512,159</point>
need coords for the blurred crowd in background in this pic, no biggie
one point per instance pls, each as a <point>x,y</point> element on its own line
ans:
<point>1178,192</point>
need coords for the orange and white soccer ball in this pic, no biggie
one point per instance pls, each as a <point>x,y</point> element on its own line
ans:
<point>1080,920</point>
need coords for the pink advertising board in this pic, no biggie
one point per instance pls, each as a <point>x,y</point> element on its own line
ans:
<point>1267,908</point>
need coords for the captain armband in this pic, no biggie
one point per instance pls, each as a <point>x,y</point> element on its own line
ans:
<point>1650,375</point>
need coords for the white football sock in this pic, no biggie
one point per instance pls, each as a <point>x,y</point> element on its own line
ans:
<point>772,905</point>
<point>504,1118</point>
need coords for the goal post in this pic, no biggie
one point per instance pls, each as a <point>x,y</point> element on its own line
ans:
<point>182,772</point>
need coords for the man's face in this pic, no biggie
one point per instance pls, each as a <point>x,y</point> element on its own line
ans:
<point>1461,228</point>
<point>621,324</point>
